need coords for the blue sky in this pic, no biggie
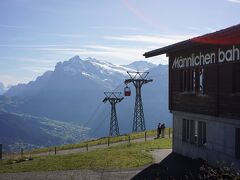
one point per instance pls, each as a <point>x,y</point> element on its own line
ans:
<point>35,35</point>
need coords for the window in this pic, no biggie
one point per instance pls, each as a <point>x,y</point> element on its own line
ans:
<point>185,130</point>
<point>194,132</point>
<point>237,143</point>
<point>184,80</point>
<point>236,78</point>
<point>188,80</point>
<point>201,81</point>
<point>201,133</point>
<point>192,80</point>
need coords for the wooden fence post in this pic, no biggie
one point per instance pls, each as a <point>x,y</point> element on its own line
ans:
<point>169,132</point>
<point>55,150</point>
<point>1,151</point>
<point>129,139</point>
<point>145,136</point>
<point>108,141</point>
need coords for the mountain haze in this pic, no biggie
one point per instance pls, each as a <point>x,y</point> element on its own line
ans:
<point>73,92</point>
<point>140,65</point>
<point>28,132</point>
<point>2,88</point>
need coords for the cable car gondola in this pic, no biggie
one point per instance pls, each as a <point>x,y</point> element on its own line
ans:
<point>127,91</point>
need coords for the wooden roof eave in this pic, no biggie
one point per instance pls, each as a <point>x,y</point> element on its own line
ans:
<point>171,48</point>
<point>226,36</point>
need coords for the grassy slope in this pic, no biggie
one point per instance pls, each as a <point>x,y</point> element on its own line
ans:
<point>103,141</point>
<point>122,156</point>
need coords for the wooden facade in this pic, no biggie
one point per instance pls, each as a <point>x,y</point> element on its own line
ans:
<point>211,87</point>
<point>221,81</point>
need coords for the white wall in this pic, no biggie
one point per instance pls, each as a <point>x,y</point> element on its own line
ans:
<point>220,135</point>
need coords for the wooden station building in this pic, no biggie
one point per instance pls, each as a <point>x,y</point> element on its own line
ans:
<point>204,95</point>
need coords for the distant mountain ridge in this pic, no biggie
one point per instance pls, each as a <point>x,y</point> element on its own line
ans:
<point>100,72</point>
<point>74,90</point>
<point>140,65</point>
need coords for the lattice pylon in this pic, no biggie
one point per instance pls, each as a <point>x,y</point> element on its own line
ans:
<point>113,98</point>
<point>138,79</point>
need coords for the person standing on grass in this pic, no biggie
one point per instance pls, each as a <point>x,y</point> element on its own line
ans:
<point>162,129</point>
<point>159,130</point>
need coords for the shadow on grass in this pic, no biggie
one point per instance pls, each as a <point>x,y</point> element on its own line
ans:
<point>174,166</point>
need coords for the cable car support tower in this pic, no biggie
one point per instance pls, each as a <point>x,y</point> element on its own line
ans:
<point>113,98</point>
<point>138,79</point>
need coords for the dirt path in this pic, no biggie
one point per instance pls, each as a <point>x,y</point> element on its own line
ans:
<point>71,175</point>
<point>90,148</point>
<point>159,154</point>
<point>76,150</point>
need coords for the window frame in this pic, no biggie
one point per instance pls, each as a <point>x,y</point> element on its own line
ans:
<point>194,132</point>
<point>236,78</point>
<point>192,80</point>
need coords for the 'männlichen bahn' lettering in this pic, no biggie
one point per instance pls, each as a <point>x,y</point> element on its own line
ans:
<point>202,59</point>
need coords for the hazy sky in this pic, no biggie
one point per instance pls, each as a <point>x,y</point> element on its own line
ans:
<point>35,34</point>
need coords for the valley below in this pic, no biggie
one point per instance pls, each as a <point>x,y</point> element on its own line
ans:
<point>65,105</point>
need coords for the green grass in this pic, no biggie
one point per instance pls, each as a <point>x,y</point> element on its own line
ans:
<point>121,156</point>
<point>102,141</point>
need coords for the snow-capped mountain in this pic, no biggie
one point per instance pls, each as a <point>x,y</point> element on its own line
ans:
<point>76,83</point>
<point>140,65</point>
<point>90,66</point>
<point>96,70</point>
<point>75,88</point>
<point>102,73</point>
